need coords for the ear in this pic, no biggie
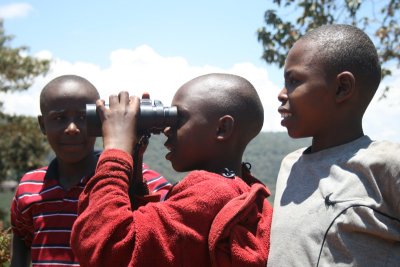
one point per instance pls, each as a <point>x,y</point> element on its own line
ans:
<point>225,127</point>
<point>41,124</point>
<point>346,86</point>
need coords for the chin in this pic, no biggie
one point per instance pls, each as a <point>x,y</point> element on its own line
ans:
<point>293,135</point>
<point>297,135</point>
<point>179,168</point>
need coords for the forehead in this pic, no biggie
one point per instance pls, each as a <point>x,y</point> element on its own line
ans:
<point>301,53</point>
<point>68,95</point>
<point>303,56</point>
<point>190,95</point>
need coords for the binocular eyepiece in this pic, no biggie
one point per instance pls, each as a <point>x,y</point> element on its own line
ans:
<point>153,118</point>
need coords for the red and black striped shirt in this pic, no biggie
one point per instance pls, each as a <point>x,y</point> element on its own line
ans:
<point>42,213</point>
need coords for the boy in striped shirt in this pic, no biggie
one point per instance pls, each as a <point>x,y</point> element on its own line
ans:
<point>45,203</point>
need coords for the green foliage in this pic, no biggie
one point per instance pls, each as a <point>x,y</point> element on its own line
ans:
<point>5,204</point>
<point>17,69</point>
<point>5,245</point>
<point>22,146</point>
<point>281,32</point>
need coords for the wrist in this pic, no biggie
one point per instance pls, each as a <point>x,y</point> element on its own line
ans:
<point>126,146</point>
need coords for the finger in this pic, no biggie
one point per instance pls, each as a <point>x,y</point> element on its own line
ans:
<point>113,100</point>
<point>123,97</point>
<point>100,108</point>
<point>100,102</point>
<point>134,102</point>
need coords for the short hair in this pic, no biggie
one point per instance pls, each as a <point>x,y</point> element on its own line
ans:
<point>347,48</point>
<point>62,79</point>
<point>229,94</point>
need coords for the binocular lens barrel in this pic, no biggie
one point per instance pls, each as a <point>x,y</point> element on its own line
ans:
<point>153,118</point>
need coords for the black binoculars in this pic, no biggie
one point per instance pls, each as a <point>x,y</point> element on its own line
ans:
<point>153,118</point>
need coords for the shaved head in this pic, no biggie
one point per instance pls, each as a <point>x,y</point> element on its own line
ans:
<point>228,94</point>
<point>68,86</point>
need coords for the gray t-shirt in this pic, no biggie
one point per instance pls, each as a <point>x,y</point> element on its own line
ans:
<point>338,207</point>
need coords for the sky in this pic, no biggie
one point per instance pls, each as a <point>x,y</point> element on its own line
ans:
<point>156,46</point>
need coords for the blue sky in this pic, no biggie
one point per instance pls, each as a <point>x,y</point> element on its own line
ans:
<point>156,46</point>
<point>217,33</point>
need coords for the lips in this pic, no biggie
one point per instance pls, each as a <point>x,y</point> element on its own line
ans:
<point>285,115</point>
<point>69,146</point>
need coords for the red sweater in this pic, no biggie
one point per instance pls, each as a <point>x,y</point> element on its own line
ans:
<point>207,220</point>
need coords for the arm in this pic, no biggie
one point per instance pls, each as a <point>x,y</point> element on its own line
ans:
<point>157,185</point>
<point>105,225</point>
<point>108,232</point>
<point>101,230</point>
<point>22,228</point>
<point>21,254</point>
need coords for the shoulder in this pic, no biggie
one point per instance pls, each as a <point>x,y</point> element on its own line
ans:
<point>385,147</point>
<point>30,185</point>
<point>381,152</point>
<point>34,175</point>
<point>202,181</point>
<point>293,156</point>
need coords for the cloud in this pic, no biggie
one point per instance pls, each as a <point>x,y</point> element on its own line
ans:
<point>142,69</point>
<point>14,10</point>
<point>381,118</point>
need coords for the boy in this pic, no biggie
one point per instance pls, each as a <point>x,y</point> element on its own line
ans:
<point>210,218</point>
<point>45,203</point>
<point>337,202</point>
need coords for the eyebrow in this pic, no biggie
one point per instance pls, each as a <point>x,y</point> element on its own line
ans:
<point>56,111</point>
<point>64,110</point>
<point>287,73</point>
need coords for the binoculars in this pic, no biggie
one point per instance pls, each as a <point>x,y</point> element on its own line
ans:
<point>153,118</point>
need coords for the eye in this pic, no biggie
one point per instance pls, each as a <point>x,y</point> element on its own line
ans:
<point>291,82</point>
<point>58,117</point>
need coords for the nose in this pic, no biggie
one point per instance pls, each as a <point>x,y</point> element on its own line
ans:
<point>283,96</point>
<point>72,128</point>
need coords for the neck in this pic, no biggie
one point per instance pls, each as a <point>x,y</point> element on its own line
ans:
<point>232,166</point>
<point>71,173</point>
<point>336,138</point>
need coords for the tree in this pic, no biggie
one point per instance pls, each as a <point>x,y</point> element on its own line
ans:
<point>5,244</point>
<point>378,18</point>
<point>17,69</point>
<point>22,145</point>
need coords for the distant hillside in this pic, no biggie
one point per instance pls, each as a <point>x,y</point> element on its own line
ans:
<point>264,153</point>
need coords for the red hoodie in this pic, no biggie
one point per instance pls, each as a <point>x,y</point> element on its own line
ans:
<point>207,220</point>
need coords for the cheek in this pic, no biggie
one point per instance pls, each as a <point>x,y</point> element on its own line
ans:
<point>91,141</point>
<point>53,142</point>
<point>54,127</point>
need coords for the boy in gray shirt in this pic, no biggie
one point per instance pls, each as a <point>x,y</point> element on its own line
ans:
<point>337,202</point>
